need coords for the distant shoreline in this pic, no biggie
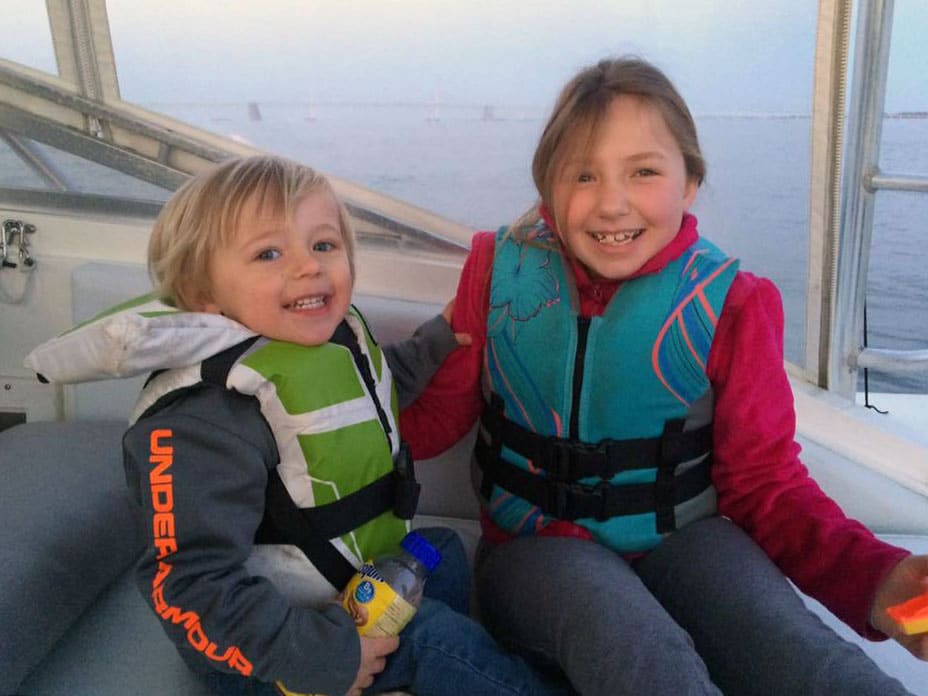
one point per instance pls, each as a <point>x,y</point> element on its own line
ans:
<point>908,114</point>
<point>486,112</point>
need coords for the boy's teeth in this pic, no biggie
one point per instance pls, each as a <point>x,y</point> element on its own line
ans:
<point>309,303</point>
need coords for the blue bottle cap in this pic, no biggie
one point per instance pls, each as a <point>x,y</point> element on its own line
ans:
<point>427,554</point>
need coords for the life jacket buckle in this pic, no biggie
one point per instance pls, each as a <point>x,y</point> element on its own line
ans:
<point>406,499</point>
<point>570,501</point>
<point>570,460</point>
<point>563,454</point>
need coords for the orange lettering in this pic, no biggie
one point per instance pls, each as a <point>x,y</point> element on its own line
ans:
<point>164,569</point>
<point>161,455</point>
<point>176,616</point>
<point>163,462</point>
<point>157,598</point>
<point>210,652</point>
<point>155,441</point>
<point>197,638</point>
<point>166,547</point>
<point>239,662</point>
<point>163,524</point>
<point>162,497</point>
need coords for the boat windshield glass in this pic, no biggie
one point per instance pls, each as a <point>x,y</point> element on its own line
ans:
<point>897,284</point>
<point>441,104</point>
<point>27,38</point>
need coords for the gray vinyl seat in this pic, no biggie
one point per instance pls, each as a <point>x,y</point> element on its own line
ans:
<point>72,622</point>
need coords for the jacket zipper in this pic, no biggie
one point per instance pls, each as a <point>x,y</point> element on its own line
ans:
<point>583,329</point>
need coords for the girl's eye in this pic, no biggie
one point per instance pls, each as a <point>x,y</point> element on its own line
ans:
<point>644,171</point>
<point>268,255</point>
<point>584,177</point>
<point>323,246</point>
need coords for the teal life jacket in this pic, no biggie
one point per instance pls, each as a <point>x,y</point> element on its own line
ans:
<point>325,405</point>
<point>607,420</point>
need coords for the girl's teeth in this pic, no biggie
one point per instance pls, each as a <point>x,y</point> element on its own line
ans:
<point>309,303</point>
<point>617,238</point>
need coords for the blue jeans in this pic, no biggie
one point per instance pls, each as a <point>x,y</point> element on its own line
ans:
<point>706,612</point>
<point>442,652</point>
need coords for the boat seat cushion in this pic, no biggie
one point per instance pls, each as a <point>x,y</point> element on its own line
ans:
<point>68,533</point>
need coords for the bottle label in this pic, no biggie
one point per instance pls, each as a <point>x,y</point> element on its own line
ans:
<point>375,606</point>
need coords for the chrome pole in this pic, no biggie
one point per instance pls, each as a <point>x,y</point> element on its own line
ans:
<point>865,121</point>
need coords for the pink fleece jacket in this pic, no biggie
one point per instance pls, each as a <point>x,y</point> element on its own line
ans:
<point>762,485</point>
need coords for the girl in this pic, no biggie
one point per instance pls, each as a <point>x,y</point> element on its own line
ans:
<point>632,394</point>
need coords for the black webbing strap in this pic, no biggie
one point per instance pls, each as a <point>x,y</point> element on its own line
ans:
<point>215,369</point>
<point>570,460</point>
<point>568,500</point>
<point>288,518</point>
<point>665,484</point>
<point>488,453</point>
<point>397,491</point>
<point>311,528</point>
<point>344,336</point>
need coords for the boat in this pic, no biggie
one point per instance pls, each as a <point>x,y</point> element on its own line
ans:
<point>91,172</point>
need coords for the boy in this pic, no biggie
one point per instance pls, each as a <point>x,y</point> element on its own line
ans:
<point>247,449</point>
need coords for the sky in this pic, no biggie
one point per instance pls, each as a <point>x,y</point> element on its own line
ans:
<point>724,55</point>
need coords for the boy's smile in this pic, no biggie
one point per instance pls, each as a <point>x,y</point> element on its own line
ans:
<point>289,281</point>
<point>623,201</point>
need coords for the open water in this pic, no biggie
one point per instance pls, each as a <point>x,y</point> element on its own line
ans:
<point>471,164</point>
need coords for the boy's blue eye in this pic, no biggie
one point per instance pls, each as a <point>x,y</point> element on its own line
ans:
<point>644,171</point>
<point>584,177</point>
<point>268,255</point>
<point>323,246</point>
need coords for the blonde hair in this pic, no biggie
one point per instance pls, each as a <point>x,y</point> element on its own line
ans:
<point>207,212</point>
<point>580,109</point>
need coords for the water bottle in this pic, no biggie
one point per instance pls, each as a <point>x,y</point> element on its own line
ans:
<point>382,597</point>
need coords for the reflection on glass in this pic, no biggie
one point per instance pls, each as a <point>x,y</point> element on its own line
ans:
<point>78,175</point>
<point>14,173</point>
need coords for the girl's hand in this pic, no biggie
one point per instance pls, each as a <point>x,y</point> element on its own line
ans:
<point>463,339</point>
<point>374,653</point>
<point>907,580</point>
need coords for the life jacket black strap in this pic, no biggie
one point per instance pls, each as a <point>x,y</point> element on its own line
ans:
<point>287,517</point>
<point>568,500</point>
<point>570,460</point>
<point>310,529</point>
<point>215,369</point>
<point>397,491</point>
<point>665,485</point>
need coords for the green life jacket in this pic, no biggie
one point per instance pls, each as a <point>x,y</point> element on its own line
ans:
<point>606,420</point>
<point>344,488</point>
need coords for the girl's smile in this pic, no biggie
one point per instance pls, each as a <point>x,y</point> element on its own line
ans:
<point>622,201</point>
<point>616,238</point>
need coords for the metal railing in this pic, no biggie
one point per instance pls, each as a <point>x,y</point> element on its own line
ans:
<point>862,180</point>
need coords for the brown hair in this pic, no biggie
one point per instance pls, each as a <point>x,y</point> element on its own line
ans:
<point>581,107</point>
<point>207,210</point>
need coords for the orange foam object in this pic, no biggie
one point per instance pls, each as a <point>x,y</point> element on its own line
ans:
<point>911,616</point>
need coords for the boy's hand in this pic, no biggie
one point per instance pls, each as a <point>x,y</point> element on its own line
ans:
<point>907,580</point>
<point>374,653</point>
<point>463,339</point>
